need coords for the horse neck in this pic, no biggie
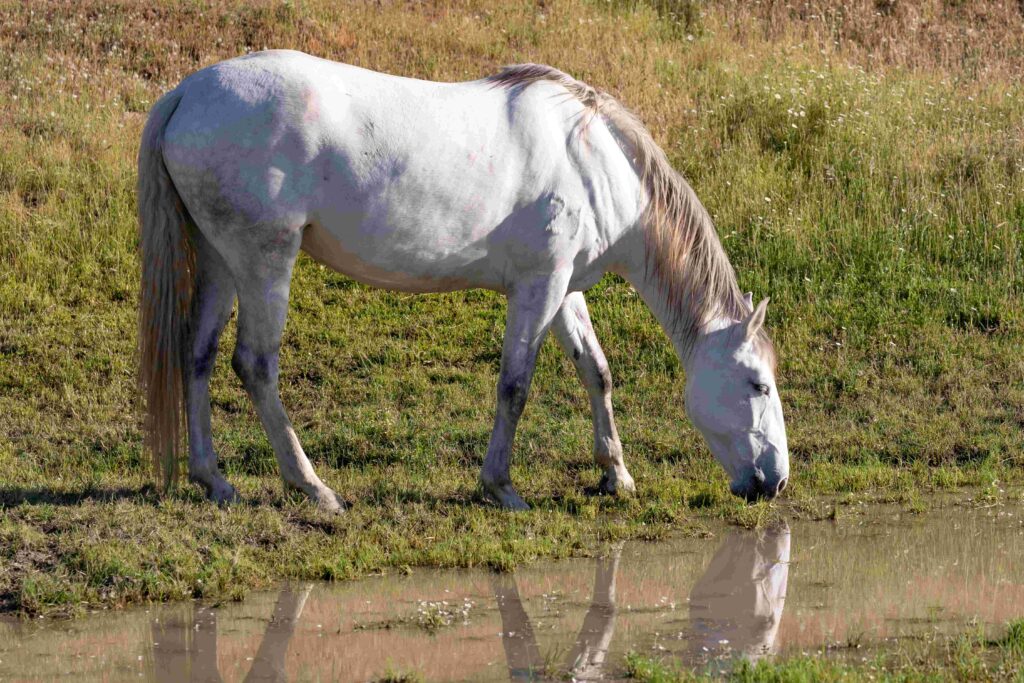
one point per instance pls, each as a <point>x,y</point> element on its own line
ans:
<point>634,268</point>
<point>629,250</point>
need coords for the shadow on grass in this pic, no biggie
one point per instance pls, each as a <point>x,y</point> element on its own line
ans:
<point>403,495</point>
<point>11,496</point>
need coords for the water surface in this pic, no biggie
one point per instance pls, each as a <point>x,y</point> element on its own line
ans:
<point>861,581</point>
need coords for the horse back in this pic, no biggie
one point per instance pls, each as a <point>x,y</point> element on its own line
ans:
<point>398,182</point>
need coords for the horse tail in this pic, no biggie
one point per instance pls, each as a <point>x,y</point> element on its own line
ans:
<point>167,256</point>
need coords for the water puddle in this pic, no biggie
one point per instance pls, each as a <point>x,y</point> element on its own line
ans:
<point>797,587</point>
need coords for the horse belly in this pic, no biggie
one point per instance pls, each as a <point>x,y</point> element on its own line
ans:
<point>427,228</point>
<point>379,263</point>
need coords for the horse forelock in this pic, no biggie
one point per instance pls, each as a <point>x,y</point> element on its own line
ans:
<point>683,252</point>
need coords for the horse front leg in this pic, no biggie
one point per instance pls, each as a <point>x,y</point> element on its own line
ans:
<point>532,306</point>
<point>575,334</point>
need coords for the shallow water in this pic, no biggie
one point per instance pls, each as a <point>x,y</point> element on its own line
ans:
<point>866,579</point>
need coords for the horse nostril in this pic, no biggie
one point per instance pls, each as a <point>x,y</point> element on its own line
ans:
<point>782,485</point>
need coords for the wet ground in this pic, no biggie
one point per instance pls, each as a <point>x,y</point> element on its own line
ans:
<point>851,585</point>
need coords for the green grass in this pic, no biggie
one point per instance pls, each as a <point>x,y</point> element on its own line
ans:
<point>969,657</point>
<point>880,206</point>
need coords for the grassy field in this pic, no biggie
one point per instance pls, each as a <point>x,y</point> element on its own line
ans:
<point>966,657</point>
<point>865,167</point>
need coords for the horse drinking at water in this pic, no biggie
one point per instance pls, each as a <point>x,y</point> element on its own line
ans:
<point>528,183</point>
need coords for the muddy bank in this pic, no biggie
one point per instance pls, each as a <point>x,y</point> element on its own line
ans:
<point>850,586</point>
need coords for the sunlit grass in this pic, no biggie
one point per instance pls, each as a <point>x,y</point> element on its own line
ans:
<point>968,656</point>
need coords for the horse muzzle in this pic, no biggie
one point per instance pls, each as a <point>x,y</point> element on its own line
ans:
<point>757,486</point>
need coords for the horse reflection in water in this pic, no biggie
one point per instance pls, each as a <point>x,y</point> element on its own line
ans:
<point>736,606</point>
<point>188,652</point>
<point>586,659</point>
<point>735,609</point>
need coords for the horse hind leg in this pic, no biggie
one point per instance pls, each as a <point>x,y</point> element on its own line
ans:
<point>575,334</point>
<point>212,300</point>
<point>263,285</point>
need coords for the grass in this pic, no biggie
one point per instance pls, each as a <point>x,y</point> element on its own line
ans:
<point>430,616</point>
<point>875,190</point>
<point>969,657</point>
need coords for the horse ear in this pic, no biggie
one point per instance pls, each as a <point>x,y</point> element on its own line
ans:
<point>753,324</point>
<point>748,299</point>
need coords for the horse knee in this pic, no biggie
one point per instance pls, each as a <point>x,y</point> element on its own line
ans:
<point>254,369</point>
<point>512,392</point>
<point>203,356</point>
<point>603,379</point>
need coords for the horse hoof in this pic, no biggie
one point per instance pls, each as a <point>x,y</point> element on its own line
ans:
<point>329,501</point>
<point>504,496</point>
<point>617,484</point>
<point>223,494</point>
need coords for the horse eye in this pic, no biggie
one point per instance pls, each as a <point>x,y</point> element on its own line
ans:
<point>761,388</point>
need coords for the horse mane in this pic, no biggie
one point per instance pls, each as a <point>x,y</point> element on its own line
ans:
<point>683,252</point>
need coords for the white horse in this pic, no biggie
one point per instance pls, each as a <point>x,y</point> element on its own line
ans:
<point>528,183</point>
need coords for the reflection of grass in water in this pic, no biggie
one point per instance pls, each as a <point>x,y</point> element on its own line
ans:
<point>399,677</point>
